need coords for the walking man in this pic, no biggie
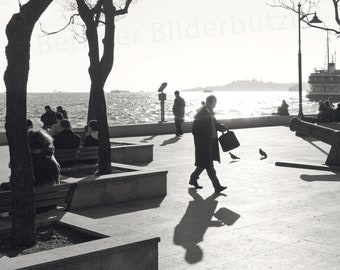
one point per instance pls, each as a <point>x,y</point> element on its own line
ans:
<point>178,111</point>
<point>205,129</point>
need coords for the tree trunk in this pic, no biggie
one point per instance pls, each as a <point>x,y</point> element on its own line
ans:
<point>98,75</point>
<point>19,31</point>
<point>98,107</point>
<point>103,135</point>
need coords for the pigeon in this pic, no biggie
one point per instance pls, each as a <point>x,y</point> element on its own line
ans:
<point>233,156</point>
<point>262,153</point>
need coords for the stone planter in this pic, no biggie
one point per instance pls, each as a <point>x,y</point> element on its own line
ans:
<point>105,253</point>
<point>133,183</point>
<point>131,153</point>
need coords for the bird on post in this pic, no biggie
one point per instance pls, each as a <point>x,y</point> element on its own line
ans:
<point>263,154</point>
<point>233,156</point>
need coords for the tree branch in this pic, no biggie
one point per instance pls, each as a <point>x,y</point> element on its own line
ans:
<point>336,11</point>
<point>321,27</point>
<point>311,4</point>
<point>124,10</point>
<point>71,21</point>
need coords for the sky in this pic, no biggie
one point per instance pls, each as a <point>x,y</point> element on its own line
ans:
<point>186,43</point>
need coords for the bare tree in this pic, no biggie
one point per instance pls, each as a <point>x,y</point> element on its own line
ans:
<point>96,14</point>
<point>100,68</point>
<point>308,7</point>
<point>19,30</point>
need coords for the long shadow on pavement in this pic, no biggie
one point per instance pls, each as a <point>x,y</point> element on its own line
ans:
<point>145,140</point>
<point>195,222</point>
<point>170,141</point>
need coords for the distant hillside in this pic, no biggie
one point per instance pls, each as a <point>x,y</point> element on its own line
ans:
<point>253,85</point>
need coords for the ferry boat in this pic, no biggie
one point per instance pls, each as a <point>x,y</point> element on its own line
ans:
<point>325,83</point>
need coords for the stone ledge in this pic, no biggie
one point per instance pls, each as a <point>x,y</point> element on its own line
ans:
<point>103,254</point>
<point>131,153</point>
<point>136,184</point>
<point>169,127</point>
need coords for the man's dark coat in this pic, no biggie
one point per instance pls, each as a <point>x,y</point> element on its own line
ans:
<point>206,148</point>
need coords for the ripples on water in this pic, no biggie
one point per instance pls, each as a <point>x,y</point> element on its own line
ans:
<point>144,107</point>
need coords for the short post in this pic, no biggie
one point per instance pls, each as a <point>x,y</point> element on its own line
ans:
<point>162,98</point>
<point>324,134</point>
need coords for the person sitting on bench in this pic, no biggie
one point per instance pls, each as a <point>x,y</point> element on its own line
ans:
<point>46,169</point>
<point>66,138</point>
<point>91,129</point>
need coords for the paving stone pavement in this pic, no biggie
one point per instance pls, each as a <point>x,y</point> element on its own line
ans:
<point>270,217</point>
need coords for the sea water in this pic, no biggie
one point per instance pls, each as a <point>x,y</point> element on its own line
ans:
<point>144,107</point>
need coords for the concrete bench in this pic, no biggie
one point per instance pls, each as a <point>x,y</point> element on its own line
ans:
<point>45,197</point>
<point>127,153</point>
<point>81,154</point>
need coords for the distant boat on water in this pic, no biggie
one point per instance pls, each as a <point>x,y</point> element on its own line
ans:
<point>325,83</point>
<point>207,91</point>
<point>119,91</point>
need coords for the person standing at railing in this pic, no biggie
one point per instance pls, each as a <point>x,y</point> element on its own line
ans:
<point>178,110</point>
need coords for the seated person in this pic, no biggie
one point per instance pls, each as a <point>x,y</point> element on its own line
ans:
<point>55,128</point>
<point>62,111</point>
<point>283,109</point>
<point>46,169</point>
<point>325,111</point>
<point>66,138</point>
<point>91,138</point>
<point>330,101</point>
<point>337,113</point>
<point>48,118</point>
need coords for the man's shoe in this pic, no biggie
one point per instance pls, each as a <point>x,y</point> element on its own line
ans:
<point>194,183</point>
<point>219,189</point>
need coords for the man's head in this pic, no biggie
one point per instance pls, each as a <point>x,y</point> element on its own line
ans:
<point>65,124</point>
<point>210,102</point>
<point>93,124</point>
<point>59,116</point>
<point>47,108</point>
<point>176,93</point>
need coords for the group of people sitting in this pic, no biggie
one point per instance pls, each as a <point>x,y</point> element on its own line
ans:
<point>328,112</point>
<point>50,117</point>
<point>43,142</point>
<point>59,128</point>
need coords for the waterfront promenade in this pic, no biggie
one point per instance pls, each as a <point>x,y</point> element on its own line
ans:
<point>269,217</point>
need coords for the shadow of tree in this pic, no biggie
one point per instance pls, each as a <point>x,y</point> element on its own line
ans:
<point>195,222</point>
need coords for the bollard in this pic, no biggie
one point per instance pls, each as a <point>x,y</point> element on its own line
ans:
<point>324,134</point>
